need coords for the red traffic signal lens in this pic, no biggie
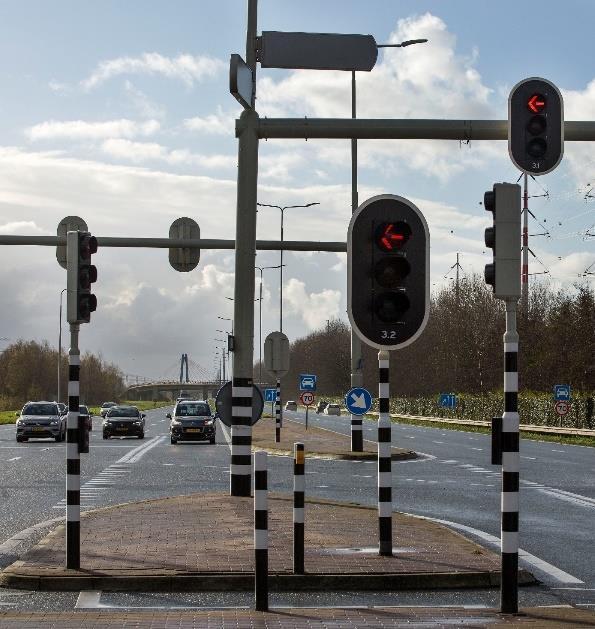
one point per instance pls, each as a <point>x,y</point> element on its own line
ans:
<point>392,236</point>
<point>390,306</point>
<point>390,272</point>
<point>536,103</point>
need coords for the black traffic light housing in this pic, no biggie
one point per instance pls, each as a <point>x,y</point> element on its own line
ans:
<point>388,260</point>
<point>81,275</point>
<point>504,237</point>
<point>535,126</point>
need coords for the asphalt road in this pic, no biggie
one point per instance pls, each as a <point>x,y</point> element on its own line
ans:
<point>452,481</point>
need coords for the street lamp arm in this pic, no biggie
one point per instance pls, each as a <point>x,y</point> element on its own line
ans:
<point>409,42</point>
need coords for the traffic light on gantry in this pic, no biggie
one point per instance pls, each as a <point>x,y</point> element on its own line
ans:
<point>81,275</point>
<point>504,237</point>
<point>388,272</point>
<point>535,126</point>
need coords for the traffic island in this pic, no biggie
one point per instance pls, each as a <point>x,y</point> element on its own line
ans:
<point>204,542</point>
<point>318,442</point>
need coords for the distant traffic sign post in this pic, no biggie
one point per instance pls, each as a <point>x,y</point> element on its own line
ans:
<point>562,392</point>
<point>276,362</point>
<point>307,399</point>
<point>447,400</point>
<point>270,395</point>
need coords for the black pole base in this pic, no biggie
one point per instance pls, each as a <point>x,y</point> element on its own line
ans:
<point>357,441</point>
<point>240,485</point>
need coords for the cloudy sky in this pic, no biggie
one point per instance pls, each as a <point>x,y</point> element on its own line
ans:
<point>120,112</point>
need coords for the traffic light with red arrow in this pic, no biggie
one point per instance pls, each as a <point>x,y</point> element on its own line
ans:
<point>535,126</point>
<point>388,292</point>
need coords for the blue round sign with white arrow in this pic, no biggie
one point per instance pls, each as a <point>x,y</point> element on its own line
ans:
<point>358,401</point>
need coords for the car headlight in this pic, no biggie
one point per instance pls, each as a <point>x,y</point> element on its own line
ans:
<point>21,422</point>
<point>138,423</point>
<point>54,422</point>
<point>177,421</point>
<point>208,422</point>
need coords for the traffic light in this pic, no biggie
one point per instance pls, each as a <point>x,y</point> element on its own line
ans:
<point>535,126</point>
<point>80,275</point>
<point>388,260</point>
<point>504,237</point>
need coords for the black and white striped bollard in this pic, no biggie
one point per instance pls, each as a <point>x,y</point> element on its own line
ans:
<point>278,413</point>
<point>299,492</point>
<point>241,437</point>
<point>73,459</point>
<point>385,480</point>
<point>261,533</point>
<point>510,467</point>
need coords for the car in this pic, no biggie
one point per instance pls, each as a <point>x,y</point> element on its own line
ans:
<point>321,406</point>
<point>63,408</point>
<point>332,409</point>
<point>192,420</point>
<point>105,408</point>
<point>291,405</point>
<point>124,421</point>
<point>85,413</point>
<point>39,420</point>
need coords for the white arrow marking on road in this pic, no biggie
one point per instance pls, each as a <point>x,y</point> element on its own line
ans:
<point>359,401</point>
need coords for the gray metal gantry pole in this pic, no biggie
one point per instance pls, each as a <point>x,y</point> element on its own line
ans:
<point>243,305</point>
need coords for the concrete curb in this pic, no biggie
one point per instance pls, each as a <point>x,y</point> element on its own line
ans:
<point>355,456</point>
<point>245,582</point>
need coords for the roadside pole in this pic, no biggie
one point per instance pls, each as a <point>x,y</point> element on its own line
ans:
<point>385,480</point>
<point>357,376</point>
<point>243,315</point>
<point>510,467</point>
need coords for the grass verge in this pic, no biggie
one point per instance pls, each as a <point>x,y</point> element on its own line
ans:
<point>8,417</point>
<point>574,440</point>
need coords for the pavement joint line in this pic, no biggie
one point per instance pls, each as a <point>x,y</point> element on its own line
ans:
<point>558,575</point>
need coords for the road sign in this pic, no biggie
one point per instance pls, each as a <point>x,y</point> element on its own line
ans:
<point>270,395</point>
<point>358,401</point>
<point>223,404</point>
<point>241,83</point>
<point>181,258</point>
<point>447,400</point>
<point>307,382</point>
<point>318,51</point>
<point>68,224</point>
<point>562,407</point>
<point>307,398</point>
<point>276,354</point>
<point>561,392</point>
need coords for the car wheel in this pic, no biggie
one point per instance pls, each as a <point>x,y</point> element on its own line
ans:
<point>58,438</point>
<point>173,441</point>
<point>142,435</point>
<point>105,436</point>
<point>19,440</point>
<point>212,440</point>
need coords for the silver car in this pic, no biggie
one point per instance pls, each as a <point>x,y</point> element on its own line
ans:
<point>40,420</point>
<point>332,409</point>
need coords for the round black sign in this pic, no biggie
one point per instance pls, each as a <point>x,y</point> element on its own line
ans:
<point>223,404</point>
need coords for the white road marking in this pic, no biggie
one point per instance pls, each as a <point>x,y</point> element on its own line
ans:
<point>531,458</point>
<point>139,455</point>
<point>559,451</point>
<point>15,458</point>
<point>478,449</point>
<point>440,442</point>
<point>89,599</point>
<point>548,573</point>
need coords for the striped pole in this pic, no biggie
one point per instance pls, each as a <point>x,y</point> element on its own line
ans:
<point>510,467</point>
<point>385,479</point>
<point>261,533</point>
<point>357,438</point>
<point>73,461</point>
<point>299,492</point>
<point>278,413</point>
<point>241,437</point>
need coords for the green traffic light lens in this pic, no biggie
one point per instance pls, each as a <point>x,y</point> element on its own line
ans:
<point>390,272</point>
<point>390,306</point>
<point>537,147</point>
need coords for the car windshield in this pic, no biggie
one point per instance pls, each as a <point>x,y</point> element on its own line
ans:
<point>193,410</point>
<point>123,411</point>
<point>84,410</point>
<point>40,409</point>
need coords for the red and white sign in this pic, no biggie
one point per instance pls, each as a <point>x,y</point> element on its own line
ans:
<point>307,398</point>
<point>562,407</point>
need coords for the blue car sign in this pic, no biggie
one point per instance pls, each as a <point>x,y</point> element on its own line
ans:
<point>307,382</point>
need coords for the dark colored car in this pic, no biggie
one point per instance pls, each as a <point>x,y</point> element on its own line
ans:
<point>85,413</point>
<point>124,421</point>
<point>321,406</point>
<point>39,420</point>
<point>192,421</point>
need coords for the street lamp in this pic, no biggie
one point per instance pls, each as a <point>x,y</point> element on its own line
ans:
<point>222,357</point>
<point>281,265</point>
<point>60,343</point>
<point>261,269</point>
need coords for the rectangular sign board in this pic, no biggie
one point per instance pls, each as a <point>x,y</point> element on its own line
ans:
<point>307,382</point>
<point>241,84</point>
<point>270,395</point>
<point>562,392</point>
<point>447,400</point>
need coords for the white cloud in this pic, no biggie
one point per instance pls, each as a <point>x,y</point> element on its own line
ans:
<point>313,308</point>
<point>139,152</point>
<point>15,227</point>
<point>144,105</point>
<point>186,68</point>
<point>221,123</point>
<point>82,130</point>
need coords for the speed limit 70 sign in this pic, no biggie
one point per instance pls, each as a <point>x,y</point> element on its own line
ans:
<point>307,398</point>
